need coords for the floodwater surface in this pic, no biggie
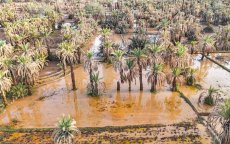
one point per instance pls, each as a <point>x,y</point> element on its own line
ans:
<point>55,99</point>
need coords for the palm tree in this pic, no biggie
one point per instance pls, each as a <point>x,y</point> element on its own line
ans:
<point>154,50</point>
<point>27,70</point>
<point>66,130</point>
<point>156,77</point>
<point>8,64</point>
<point>181,56</point>
<point>105,32</point>
<point>209,97</point>
<point>131,74</point>
<point>175,78</point>
<point>88,65</point>
<point>193,46</point>
<point>5,49</point>
<point>139,58</point>
<point>207,45</point>
<point>225,120</point>
<point>164,24</point>
<point>67,55</point>
<point>25,48</point>
<point>40,59</point>
<point>98,86</point>
<point>107,48</point>
<point>118,65</point>
<point>190,76</point>
<point>5,85</point>
<point>78,42</point>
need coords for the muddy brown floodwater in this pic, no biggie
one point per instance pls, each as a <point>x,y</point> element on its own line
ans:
<point>51,101</point>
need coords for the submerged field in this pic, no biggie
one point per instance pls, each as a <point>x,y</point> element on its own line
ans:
<point>105,72</point>
<point>167,109</point>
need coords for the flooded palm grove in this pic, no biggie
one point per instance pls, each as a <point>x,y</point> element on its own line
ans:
<point>115,71</point>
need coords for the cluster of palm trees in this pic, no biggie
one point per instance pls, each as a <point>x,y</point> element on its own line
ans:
<point>153,57</point>
<point>71,49</point>
<point>28,30</point>
<point>19,11</point>
<point>23,53</point>
<point>19,66</point>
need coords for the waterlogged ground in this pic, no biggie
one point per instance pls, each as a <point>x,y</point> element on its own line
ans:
<point>223,58</point>
<point>210,74</point>
<point>51,101</point>
<point>54,99</point>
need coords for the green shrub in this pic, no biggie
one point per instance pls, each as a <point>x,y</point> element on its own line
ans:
<point>18,91</point>
<point>209,101</point>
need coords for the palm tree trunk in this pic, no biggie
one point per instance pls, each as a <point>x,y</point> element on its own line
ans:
<point>64,69</point>
<point>29,90</point>
<point>96,89</point>
<point>130,83</point>
<point>183,5</point>
<point>192,50</point>
<point>13,78</point>
<point>49,54</point>
<point>73,77</point>
<point>153,87</point>
<point>90,75</point>
<point>121,76</point>
<point>118,86</point>
<point>79,55</point>
<point>203,52</point>
<point>140,74</point>
<point>174,84</point>
<point>4,99</point>
<point>107,55</point>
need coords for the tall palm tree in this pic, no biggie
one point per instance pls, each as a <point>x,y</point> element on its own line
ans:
<point>175,78</point>
<point>193,46</point>
<point>154,50</point>
<point>207,45</point>
<point>98,86</point>
<point>107,48</point>
<point>131,74</point>
<point>118,65</point>
<point>156,77</point>
<point>139,57</point>
<point>67,55</point>
<point>181,58</point>
<point>5,85</point>
<point>78,42</point>
<point>88,65</point>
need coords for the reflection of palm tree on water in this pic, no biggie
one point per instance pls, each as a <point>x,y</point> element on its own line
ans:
<point>203,69</point>
<point>172,105</point>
